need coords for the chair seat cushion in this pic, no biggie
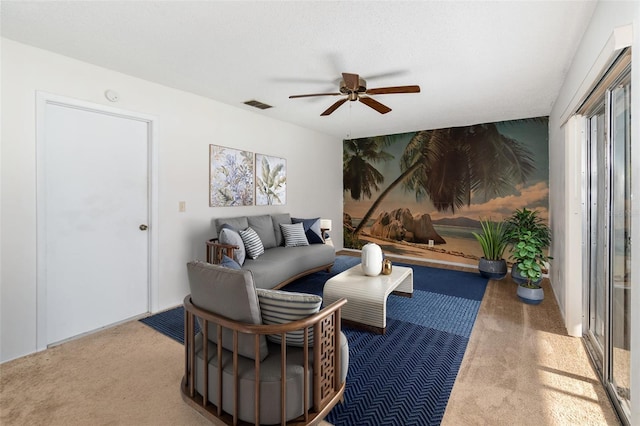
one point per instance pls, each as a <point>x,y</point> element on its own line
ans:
<point>270,374</point>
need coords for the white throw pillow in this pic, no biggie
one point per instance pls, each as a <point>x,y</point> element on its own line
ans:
<point>252,243</point>
<point>282,307</point>
<point>294,235</point>
<point>230,236</point>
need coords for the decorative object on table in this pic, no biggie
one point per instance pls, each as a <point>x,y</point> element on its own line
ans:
<point>387,267</point>
<point>230,177</point>
<point>528,235</point>
<point>371,259</point>
<point>493,242</point>
<point>271,180</point>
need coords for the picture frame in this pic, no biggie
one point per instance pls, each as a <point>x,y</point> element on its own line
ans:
<point>231,177</point>
<point>270,180</point>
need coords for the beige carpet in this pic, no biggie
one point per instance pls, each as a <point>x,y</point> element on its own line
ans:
<point>520,368</point>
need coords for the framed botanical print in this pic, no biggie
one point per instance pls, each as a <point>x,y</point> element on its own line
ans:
<point>271,180</point>
<point>230,177</point>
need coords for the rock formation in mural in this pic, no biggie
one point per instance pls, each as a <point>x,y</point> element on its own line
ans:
<point>401,225</point>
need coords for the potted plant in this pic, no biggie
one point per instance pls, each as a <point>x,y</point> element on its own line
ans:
<point>493,242</point>
<point>529,235</point>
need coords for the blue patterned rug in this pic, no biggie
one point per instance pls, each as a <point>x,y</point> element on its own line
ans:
<point>405,376</point>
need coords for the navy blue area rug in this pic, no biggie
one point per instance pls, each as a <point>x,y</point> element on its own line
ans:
<point>405,376</point>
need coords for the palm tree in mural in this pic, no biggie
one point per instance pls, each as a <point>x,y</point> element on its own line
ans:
<point>448,165</point>
<point>359,176</point>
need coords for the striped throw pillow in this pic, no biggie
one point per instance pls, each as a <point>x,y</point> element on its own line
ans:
<point>281,307</point>
<point>252,243</point>
<point>294,235</point>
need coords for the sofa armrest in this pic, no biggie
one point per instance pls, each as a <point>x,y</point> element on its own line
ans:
<point>216,249</point>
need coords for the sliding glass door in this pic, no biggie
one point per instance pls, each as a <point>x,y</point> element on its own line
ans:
<point>620,318</point>
<point>608,288</point>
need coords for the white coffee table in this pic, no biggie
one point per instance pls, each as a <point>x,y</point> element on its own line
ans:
<point>367,296</point>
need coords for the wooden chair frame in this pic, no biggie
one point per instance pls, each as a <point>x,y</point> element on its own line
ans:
<point>326,385</point>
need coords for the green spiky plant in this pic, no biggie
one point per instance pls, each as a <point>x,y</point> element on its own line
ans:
<point>492,240</point>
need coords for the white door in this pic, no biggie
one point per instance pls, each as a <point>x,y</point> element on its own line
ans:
<point>94,243</point>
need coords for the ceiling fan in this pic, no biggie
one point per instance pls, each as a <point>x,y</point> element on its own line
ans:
<point>355,88</point>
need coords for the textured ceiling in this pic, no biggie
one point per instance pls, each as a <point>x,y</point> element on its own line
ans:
<point>475,61</point>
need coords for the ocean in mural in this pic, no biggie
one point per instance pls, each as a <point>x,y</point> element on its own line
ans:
<point>422,194</point>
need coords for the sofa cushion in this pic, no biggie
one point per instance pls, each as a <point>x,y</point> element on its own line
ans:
<point>229,235</point>
<point>277,219</point>
<point>294,235</point>
<point>252,243</point>
<point>237,223</point>
<point>232,294</point>
<point>281,307</point>
<point>263,225</point>
<point>279,264</point>
<point>311,229</point>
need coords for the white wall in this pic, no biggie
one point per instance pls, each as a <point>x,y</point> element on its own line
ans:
<point>187,124</point>
<point>565,206</point>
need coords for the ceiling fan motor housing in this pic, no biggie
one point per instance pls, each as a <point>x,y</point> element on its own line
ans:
<point>362,87</point>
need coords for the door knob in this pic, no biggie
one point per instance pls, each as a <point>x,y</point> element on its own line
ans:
<point>143,227</point>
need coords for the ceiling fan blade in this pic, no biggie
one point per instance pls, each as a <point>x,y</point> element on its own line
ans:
<point>351,81</point>
<point>396,89</point>
<point>334,106</point>
<point>387,74</point>
<point>382,109</point>
<point>314,94</point>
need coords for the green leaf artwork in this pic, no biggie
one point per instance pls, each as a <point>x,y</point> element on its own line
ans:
<point>271,180</point>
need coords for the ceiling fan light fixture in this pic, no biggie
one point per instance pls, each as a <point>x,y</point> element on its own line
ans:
<point>362,87</point>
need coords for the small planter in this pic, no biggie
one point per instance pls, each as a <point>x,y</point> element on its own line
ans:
<point>531,296</point>
<point>492,269</point>
<point>517,277</point>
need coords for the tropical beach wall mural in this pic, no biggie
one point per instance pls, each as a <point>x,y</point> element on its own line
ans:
<point>422,194</point>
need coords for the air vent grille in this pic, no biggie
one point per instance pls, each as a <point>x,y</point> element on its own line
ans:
<point>257,104</point>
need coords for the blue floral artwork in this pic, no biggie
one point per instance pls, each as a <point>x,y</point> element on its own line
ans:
<point>271,180</point>
<point>230,177</point>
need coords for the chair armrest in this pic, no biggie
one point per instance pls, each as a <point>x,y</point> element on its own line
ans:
<point>216,249</point>
<point>326,385</point>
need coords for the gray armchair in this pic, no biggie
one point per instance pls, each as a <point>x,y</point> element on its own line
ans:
<point>247,377</point>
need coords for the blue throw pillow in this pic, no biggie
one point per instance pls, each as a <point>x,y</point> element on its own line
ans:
<point>228,262</point>
<point>311,229</point>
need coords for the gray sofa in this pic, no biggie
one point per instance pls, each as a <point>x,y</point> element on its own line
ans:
<point>279,265</point>
<point>243,378</point>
